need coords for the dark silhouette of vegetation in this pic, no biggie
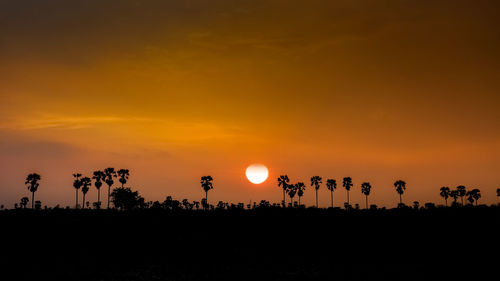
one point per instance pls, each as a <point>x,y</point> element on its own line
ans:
<point>461,190</point>
<point>124,198</point>
<point>301,187</point>
<point>316,182</point>
<point>331,185</point>
<point>123,175</point>
<point>473,195</point>
<point>77,183</point>
<point>498,192</point>
<point>98,176</point>
<point>445,193</point>
<point>454,195</point>
<point>32,183</point>
<point>283,181</point>
<point>400,189</point>
<point>292,190</point>
<point>86,182</point>
<point>110,174</point>
<point>347,184</point>
<point>24,202</point>
<point>365,189</point>
<point>207,184</point>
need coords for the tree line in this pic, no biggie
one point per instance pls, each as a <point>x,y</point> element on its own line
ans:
<point>124,198</point>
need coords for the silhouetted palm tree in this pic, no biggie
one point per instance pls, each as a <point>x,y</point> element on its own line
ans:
<point>474,194</point>
<point>77,184</point>
<point>331,184</point>
<point>347,184</point>
<point>110,174</point>
<point>283,181</point>
<point>365,189</point>
<point>206,184</point>
<point>445,193</point>
<point>498,192</point>
<point>24,202</point>
<point>454,195</point>
<point>86,183</point>
<point>292,190</point>
<point>123,174</point>
<point>32,182</point>
<point>300,190</point>
<point>461,192</point>
<point>316,181</point>
<point>98,176</point>
<point>400,189</point>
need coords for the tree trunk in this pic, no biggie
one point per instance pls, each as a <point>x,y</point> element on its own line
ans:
<point>347,196</point>
<point>32,200</point>
<point>99,197</point>
<point>83,203</point>
<point>446,202</point>
<point>76,207</point>
<point>462,198</point>
<point>331,191</point>
<point>367,202</point>
<point>316,198</point>
<point>109,187</point>
<point>284,202</point>
<point>400,199</point>
<point>299,201</point>
<point>206,200</point>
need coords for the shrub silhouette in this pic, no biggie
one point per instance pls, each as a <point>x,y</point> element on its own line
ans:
<point>124,198</point>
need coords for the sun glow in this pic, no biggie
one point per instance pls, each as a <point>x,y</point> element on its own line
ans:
<point>257,173</point>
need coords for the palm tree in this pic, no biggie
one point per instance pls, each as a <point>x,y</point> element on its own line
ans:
<point>110,174</point>
<point>347,184</point>
<point>77,184</point>
<point>24,202</point>
<point>400,189</point>
<point>99,176</point>
<point>206,184</point>
<point>365,189</point>
<point>283,181</point>
<point>316,181</point>
<point>123,174</point>
<point>86,183</point>
<point>300,189</point>
<point>472,195</point>
<point>461,192</point>
<point>292,190</point>
<point>331,184</point>
<point>454,195</point>
<point>32,182</point>
<point>498,192</point>
<point>445,193</point>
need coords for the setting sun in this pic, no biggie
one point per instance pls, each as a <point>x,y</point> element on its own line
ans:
<point>257,173</point>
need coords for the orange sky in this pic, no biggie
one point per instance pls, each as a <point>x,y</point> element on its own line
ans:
<point>375,90</point>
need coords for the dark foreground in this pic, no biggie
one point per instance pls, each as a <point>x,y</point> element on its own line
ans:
<point>266,244</point>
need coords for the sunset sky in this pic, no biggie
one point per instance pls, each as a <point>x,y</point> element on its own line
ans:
<point>175,90</point>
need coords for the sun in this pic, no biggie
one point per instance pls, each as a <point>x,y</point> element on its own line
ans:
<point>257,173</point>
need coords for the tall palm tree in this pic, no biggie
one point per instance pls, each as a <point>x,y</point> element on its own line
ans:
<point>316,181</point>
<point>207,184</point>
<point>98,176</point>
<point>110,174</point>
<point>300,190</point>
<point>347,184</point>
<point>445,193</point>
<point>461,192</point>
<point>123,174</point>
<point>77,184</point>
<point>86,183</point>
<point>400,189</point>
<point>283,181</point>
<point>365,189</point>
<point>32,183</point>
<point>331,184</point>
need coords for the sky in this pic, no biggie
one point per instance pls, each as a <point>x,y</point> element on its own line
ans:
<point>175,90</point>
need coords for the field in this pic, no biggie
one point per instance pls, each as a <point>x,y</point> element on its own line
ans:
<point>259,244</point>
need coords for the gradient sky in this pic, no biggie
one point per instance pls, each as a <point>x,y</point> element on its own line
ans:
<point>174,90</point>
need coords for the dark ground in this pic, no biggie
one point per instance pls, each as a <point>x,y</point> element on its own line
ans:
<point>265,244</point>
